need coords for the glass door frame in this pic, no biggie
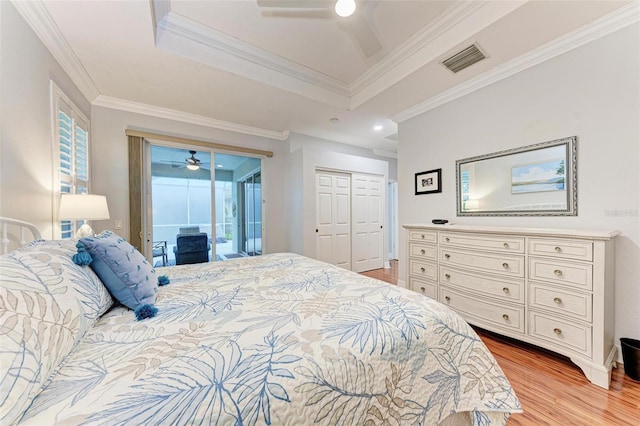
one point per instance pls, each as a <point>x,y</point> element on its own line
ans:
<point>242,183</point>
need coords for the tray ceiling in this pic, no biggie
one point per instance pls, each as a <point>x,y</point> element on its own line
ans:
<point>235,65</point>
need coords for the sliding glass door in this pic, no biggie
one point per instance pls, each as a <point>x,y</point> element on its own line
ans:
<point>238,206</point>
<point>181,204</point>
<point>251,209</point>
<point>201,205</point>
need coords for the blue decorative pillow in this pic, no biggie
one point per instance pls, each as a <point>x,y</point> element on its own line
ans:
<point>124,271</point>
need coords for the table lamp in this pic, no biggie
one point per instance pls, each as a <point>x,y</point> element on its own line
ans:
<point>83,207</point>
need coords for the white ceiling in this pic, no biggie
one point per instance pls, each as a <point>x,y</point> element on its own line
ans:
<point>235,65</point>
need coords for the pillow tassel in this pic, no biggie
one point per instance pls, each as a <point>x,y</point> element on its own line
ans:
<point>145,311</point>
<point>163,280</point>
<point>81,257</point>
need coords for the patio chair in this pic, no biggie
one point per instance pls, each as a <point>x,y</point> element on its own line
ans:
<point>192,248</point>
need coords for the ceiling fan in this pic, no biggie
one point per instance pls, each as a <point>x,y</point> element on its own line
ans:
<point>347,18</point>
<point>192,162</point>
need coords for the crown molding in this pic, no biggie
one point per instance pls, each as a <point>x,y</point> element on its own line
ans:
<point>599,28</point>
<point>171,114</point>
<point>383,153</point>
<point>446,31</point>
<point>39,19</point>
<point>450,17</point>
<point>186,37</point>
<point>159,10</point>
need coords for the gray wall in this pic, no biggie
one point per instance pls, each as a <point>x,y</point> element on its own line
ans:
<point>26,156</point>
<point>592,92</point>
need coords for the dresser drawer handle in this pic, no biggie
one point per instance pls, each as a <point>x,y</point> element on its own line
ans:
<point>447,298</point>
<point>557,272</point>
<point>506,245</point>
<point>446,239</point>
<point>505,290</point>
<point>422,251</point>
<point>505,265</point>
<point>558,250</point>
<point>422,270</point>
<point>447,276</point>
<point>422,236</point>
<point>446,256</point>
<point>557,300</point>
<point>422,289</point>
<point>505,317</point>
<point>557,331</point>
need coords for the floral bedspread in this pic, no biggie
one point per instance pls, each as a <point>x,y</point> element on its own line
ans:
<point>278,339</point>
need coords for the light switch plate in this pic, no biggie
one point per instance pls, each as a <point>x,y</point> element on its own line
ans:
<point>118,224</point>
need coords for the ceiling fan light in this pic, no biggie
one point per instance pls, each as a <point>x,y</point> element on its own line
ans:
<point>345,8</point>
<point>193,166</point>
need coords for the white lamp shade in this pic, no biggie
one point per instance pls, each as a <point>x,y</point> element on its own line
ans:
<point>83,207</point>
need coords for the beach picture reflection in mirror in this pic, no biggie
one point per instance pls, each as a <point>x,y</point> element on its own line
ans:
<point>539,177</point>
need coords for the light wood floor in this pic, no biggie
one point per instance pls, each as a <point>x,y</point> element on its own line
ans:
<point>551,389</point>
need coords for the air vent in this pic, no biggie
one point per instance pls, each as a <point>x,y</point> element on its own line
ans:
<point>464,58</point>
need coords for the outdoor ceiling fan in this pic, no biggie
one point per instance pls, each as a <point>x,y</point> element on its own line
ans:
<point>354,23</point>
<point>192,162</point>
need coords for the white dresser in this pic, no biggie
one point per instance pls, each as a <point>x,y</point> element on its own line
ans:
<point>553,288</point>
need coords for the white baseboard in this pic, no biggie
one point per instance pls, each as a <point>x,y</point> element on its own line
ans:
<point>387,265</point>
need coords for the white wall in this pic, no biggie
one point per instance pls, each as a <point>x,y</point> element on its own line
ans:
<point>26,170</point>
<point>592,92</point>
<point>300,141</point>
<point>110,172</point>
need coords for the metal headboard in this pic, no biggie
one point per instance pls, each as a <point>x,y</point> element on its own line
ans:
<point>25,229</point>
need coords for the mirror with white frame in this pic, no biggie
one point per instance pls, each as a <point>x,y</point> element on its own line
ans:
<point>535,180</point>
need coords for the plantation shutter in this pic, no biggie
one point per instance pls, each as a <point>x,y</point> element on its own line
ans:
<point>71,142</point>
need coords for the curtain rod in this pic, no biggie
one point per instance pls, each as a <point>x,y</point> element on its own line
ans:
<point>188,141</point>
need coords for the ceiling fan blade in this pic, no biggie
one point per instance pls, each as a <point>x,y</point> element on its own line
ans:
<point>302,14</point>
<point>363,34</point>
<point>170,162</point>
<point>297,4</point>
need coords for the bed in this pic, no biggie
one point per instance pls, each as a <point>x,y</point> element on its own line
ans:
<point>276,339</point>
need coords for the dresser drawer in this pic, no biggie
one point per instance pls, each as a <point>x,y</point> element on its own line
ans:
<point>498,263</point>
<point>423,236</point>
<point>570,303</point>
<point>424,270</point>
<point>426,288</point>
<point>489,242</point>
<point>423,251</point>
<point>485,312</point>
<point>489,285</point>
<point>579,275</point>
<point>561,249</point>
<point>559,332</point>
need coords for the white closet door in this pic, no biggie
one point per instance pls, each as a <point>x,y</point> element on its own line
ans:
<point>368,207</point>
<point>333,218</point>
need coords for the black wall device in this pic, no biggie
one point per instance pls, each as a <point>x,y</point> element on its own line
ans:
<point>439,221</point>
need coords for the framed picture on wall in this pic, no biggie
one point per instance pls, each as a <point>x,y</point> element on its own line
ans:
<point>429,182</point>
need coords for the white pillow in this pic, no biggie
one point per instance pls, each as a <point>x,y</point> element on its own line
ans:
<point>47,303</point>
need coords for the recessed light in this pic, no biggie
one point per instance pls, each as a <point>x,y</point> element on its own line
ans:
<point>377,128</point>
<point>219,165</point>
